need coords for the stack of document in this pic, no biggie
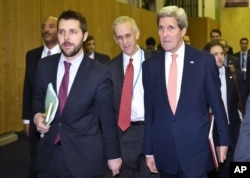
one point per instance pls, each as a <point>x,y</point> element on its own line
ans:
<point>51,105</point>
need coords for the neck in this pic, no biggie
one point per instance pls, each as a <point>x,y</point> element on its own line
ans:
<point>50,45</point>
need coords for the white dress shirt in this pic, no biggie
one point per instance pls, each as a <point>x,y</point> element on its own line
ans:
<point>223,89</point>
<point>72,72</point>
<point>137,112</point>
<point>180,64</point>
<point>56,49</point>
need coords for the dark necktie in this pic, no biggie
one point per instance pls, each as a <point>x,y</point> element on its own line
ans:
<point>243,61</point>
<point>243,64</point>
<point>172,84</point>
<point>126,98</point>
<point>48,53</point>
<point>63,92</point>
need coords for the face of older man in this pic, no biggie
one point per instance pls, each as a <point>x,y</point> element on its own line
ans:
<point>171,36</point>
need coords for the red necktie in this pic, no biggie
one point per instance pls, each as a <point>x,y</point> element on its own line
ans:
<point>63,92</point>
<point>172,84</point>
<point>126,99</point>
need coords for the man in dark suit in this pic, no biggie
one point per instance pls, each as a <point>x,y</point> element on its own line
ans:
<point>229,59</point>
<point>215,35</point>
<point>84,132</point>
<point>244,62</point>
<point>176,103</point>
<point>49,34</point>
<point>89,49</point>
<point>231,101</point>
<point>126,34</point>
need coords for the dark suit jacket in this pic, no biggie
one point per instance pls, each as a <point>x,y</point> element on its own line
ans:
<point>32,58</point>
<point>102,58</point>
<point>233,60</point>
<point>230,50</point>
<point>243,145</point>
<point>233,101</point>
<point>87,125</point>
<point>181,140</point>
<point>248,63</point>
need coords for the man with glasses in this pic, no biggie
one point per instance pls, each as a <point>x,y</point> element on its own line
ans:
<point>126,68</point>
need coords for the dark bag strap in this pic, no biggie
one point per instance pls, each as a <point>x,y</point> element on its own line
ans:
<point>233,73</point>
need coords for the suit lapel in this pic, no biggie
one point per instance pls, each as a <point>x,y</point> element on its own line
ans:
<point>120,72</point>
<point>229,80</point>
<point>188,69</point>
<point>80,77</point>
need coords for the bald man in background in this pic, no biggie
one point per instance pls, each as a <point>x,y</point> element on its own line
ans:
<point>33,56</point>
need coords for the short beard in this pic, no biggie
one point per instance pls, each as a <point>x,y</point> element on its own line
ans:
<point>74,52</point>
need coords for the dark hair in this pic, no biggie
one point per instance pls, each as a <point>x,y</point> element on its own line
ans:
<point>150,41</point>
<point>243,39</point>
<point>70,14</point>
<point>214,43</point>
<point>89,38</point>
<point>215,30</point>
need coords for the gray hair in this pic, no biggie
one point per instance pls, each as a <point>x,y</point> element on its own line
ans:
<point>124,19</point>
<point>173,11</point>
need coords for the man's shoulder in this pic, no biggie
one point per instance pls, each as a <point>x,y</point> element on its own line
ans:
<point>36,50</point>
<point>116,59</point>
<point>237,53</point>
<point>101,54</point>
<point>232,57</point>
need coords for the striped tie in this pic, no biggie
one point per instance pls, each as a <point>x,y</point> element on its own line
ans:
<point>126,99</point>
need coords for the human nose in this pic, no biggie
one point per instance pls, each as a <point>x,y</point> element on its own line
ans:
<point>66,35</point>
<point>165,32</point>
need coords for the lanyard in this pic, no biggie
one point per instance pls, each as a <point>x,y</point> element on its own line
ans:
<point>137,77</point>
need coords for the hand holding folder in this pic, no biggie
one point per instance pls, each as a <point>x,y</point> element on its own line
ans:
<point>51,105</point>
<point>211,144</point>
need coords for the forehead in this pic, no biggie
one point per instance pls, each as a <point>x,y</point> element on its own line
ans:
<point>49,21</point>
<point>90,42</point>
<point>216,48</point>
<point>123,28</point>
<point>166,21</point>
<point>215,34</point>
<point>69,24</point>
<point>244,41</point>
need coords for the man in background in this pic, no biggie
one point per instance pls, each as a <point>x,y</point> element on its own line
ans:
<point>151,44</point>
<point>50,47</point>
<point>229,59</point>
<point>215,35</point>
<point>89,49</point>
<point>233,95</point>
<point>186,39</point>
<point>244,62</point>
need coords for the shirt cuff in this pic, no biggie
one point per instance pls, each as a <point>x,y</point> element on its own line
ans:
<point>26,121</point>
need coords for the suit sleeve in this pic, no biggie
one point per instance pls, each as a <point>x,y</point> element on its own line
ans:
<point>216,103</point>
<point>105,105</point>
<point>27,94</point>
<point>148,111</point>
<point>243,145</point>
